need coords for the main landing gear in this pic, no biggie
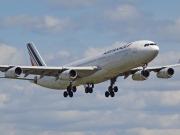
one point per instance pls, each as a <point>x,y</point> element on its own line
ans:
<point>144,66</point>
<point>70,90</point>
<point>111,90</point>
<point>89,88</point>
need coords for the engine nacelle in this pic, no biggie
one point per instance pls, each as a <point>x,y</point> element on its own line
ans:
<point>68,75</point>
<point>13,72</point>
<point>141,75</point>
<point>165,73</point>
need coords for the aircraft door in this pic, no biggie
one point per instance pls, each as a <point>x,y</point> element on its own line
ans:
<point>134,54</point>
<point>134,50</point>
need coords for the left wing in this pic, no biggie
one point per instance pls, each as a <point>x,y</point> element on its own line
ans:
<point>39,67</point>
<point>48,71</point>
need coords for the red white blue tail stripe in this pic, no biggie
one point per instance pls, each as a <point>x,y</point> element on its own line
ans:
<point>35,57</point>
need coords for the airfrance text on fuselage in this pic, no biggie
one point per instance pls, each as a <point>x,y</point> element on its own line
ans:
<point>116,49</point>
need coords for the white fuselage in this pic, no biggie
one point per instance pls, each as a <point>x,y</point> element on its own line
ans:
<point>111,63</point>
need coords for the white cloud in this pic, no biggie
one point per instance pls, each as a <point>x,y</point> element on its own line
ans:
<point>121,13</point>
<point>47,133</point>
<point>12,21</point>
<point>170,98</point>
<point>3,98</point>
<point>46,24</point>
<point>161,59</point>
<point>48,57</point>
<point>167,30</point>
<point>63,53</point>
<point>63,133</point>
<point>71,3</point>
<point>161,132</point>
<point>53,24</point>
<point>63,56</point>
<point>143,131</point>
<point>7,129</point>
<point>10,55</point>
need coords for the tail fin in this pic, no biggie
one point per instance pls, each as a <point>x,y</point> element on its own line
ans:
<point>35,57</point>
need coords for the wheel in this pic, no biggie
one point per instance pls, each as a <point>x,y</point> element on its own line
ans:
<point>68,88</point>
<point>74,89</point>
<point>107,94</point>
<point>90,90</point>
<point>35,79</point>
<point>71,94</point>
<point>86,90</point>
<point>112,94</point>
<point>65,94</point>
<point>110,88</point>
<point>115,89</point>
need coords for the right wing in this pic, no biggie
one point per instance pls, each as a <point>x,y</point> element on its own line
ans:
<point>150,69</point>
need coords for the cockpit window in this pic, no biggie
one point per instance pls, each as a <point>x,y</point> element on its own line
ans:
<point>153,44</point>
<point>149,44</point>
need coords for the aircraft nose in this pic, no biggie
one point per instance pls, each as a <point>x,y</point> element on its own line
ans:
<point>155,50</point>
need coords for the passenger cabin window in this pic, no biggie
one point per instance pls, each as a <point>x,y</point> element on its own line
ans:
<point>149,44</point>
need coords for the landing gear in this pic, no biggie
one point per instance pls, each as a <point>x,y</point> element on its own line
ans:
<point>74,89</point>
<point>115,89</point>
<point>89,88</point>
<point>107,94</point>
<point>70,91</point>
<point>71,94</point>
<point>144,65</point>
<point>65,94</point>
<point>111,90</point>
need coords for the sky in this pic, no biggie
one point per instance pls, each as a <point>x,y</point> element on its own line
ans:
<point>65,31</point>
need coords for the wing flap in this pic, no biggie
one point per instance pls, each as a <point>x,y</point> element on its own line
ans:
<point>26,79</point>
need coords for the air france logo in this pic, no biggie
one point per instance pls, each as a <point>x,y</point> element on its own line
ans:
<point>129,44</point>
<point>116,49</point>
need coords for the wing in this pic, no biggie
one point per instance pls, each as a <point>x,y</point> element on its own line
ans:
<point>51,71</point>
<point>150,69</point>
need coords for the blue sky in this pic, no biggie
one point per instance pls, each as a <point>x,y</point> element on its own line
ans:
<point>65,31</point>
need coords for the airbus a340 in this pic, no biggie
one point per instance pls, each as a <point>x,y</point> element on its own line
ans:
<point>128,60</point>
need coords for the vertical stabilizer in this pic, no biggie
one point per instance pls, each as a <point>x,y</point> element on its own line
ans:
<point>35,57</point>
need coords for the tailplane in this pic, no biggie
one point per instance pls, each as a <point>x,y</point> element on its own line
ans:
<point>35,57</point>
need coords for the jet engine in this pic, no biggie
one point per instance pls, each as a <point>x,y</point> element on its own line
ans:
<point>165,73</point>
<point>13,72</point>
<point>68,75</point>
<point>141,75</point>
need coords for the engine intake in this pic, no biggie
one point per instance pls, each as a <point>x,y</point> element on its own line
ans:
<point>165,73</point>
<point>13,72</point>
<point>68,75</point>
<point>141,75</point>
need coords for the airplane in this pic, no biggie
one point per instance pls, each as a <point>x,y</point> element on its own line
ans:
<point>124,61</point>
